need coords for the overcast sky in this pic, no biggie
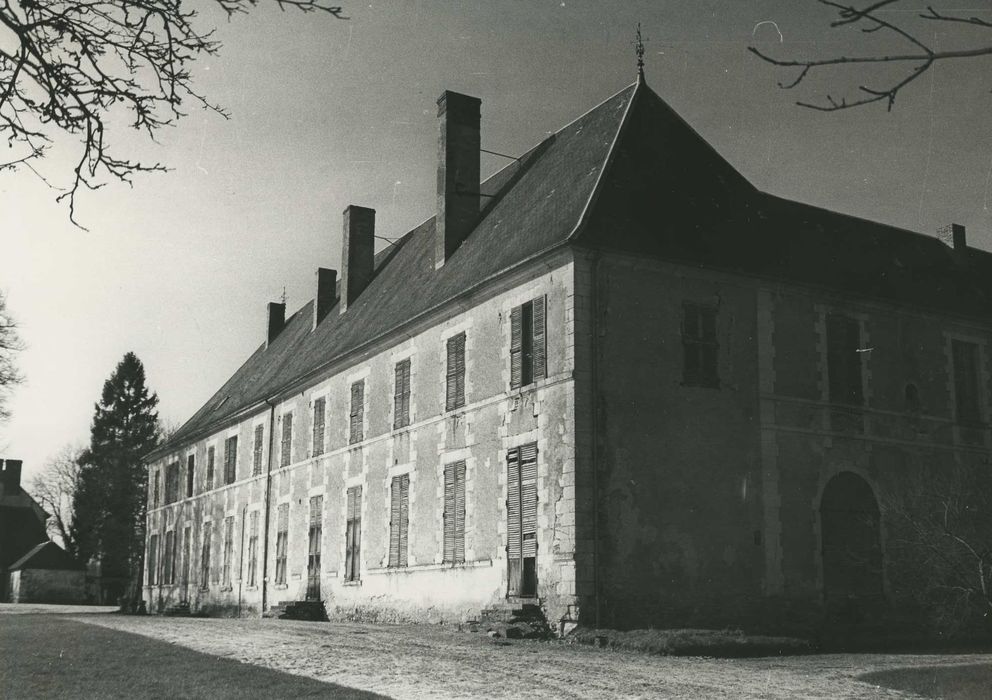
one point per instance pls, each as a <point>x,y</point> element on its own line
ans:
<point>327,113</point>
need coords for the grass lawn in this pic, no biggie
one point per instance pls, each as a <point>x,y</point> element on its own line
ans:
<point>47,656</point>
<point>964,682</point>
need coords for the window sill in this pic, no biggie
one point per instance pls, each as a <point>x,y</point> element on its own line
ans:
<point>355,582</point>
<point>477,563</point>
<point>280,586</point>
<point>226,589</point>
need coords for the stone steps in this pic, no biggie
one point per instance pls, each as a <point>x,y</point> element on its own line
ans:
<point>311,610</point>
<point>513,619</point>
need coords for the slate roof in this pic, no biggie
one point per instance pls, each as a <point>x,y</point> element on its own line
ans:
<point>47,555</point>
<point>628,175</point>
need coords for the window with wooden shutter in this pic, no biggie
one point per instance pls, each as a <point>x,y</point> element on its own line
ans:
<point>286,445</point>
<point>540,335</point>
<point>528,351</point>
<point>190,475</point>
<point>253,548</point>
<point>399,520</point>
<point>153,560</point>
<point>964,356</point>
<point>319,407</point>
<point>699,345</point>
<point>844,360</point>
<point>205,555</point>
<point>157,490</point>
<point>282,542</point>
<point>454,513</point>
<point>521,518</point>
<point>172,483</point>
<point>230,459</point>
<point>401,395</point>
<point>455,373</point>
<point>257,449</point>
<point>210,468</point>
<point>168,563</point>
<point>356,432</point>
<point>228,550</point>
<point>353,534</point>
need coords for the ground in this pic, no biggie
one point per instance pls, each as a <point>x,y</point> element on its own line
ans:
<point>247,658</point>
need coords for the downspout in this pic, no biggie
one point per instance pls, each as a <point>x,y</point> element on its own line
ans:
<point>594,371</point>
<point>268,496</point>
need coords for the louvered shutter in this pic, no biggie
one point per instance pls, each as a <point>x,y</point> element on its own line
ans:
<point>449,513</point>
<point>459,547</point>
<point>528,499</point>
<point>540,340</point>
<point>455,375</point>
<point>287,438</point>
<point>401,396</point>
<point>318,426</point>
<point>394,523</point>
<point>513,504</point>
<point>357,411</point>
<point>516,347</point>
<point>404,518</point>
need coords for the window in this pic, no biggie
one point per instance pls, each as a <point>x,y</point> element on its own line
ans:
<point>210,468</point>
<point>286,451</point>
<point>966,389</point>
<point>314,536</point>
<point>256,450</point>
<point>455,373</point>
<point>353,534</point>
<point>168,564</point>
<point>253,548</point>
<point>528,356</point>
<point>454,513</point>
<point>401,395</point>
<point>282,542</point>
<point>844,360</point>
<point>699,345</point>
<point>521,519</point>
<point>319,406</point>
<point>172,483</point>
<point>230,459</point>
<point>187,550</point>
<point>205,555</point>
<point>157,489</point>
<point>357,413</point>
<point>399,520</point>
<point>228,550</point>
<point>190,471</point>
<point>153,558</point>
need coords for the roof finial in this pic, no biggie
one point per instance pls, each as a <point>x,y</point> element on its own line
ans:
<point>639,49</point>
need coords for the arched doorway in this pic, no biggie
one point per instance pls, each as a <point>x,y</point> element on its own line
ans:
<point>851,536</point>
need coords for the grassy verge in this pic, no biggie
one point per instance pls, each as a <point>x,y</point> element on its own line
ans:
<point>966,682</point>
<point>692,642</point>
<point>48,656</point>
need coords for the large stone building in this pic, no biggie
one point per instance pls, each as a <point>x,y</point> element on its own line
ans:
<point>615,378</point>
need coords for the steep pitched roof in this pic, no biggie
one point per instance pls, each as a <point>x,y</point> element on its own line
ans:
<point>536,205</point>
<point>47,555</point>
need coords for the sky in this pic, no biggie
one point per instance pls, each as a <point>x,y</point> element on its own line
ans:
<point>325,113</point>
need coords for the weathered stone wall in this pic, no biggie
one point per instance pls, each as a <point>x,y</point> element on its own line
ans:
<point>493,421</point>
<point>47,586</point>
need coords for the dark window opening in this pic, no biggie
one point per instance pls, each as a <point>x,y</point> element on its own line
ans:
<point>319,408</point>
<point>528,343</point>
<point>353,534</point>
<point>230,459</point>
<point>455,373</point>
<point>844,360</point>
<point>287,439</point>
<point>356,416</point>
<point>401,395</point>
<point>190,475</point>
<point>699,345</point>
<point>966,382</point>
<point>172,483</point>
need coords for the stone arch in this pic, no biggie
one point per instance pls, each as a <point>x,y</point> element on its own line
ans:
<point>851,539</point>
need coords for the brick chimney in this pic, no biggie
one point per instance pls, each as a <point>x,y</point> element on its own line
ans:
<point>459,142</point>
<point>357,253</point>
<point>324,299</point>
<point>277,319</point>
<point>10,475</point>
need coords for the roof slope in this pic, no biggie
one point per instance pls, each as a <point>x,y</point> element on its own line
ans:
<point>536,205</point>
<point>47,555</point>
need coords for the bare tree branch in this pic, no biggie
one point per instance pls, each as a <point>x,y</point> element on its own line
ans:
<point>54,489</point>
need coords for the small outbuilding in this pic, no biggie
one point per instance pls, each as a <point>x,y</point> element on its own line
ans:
<point>47,574</point>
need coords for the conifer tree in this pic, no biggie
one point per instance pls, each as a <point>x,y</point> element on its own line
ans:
<point>109,503</point>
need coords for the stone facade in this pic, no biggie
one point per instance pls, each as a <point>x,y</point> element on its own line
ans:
<point>47,586</point>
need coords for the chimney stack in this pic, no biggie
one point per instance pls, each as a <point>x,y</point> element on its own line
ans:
<point>954,236</point>
<point>10,475</point>
<point>277,319</point>
<point>459,142</point>
<point>357,253</point>
<point>324,299</point>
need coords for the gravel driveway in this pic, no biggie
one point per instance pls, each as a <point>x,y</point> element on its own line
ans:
<point>441,662</point>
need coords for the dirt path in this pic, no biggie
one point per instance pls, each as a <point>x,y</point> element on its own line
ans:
<point>436,662</point>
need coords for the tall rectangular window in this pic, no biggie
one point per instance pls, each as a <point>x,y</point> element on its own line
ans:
<point>190,475</point>
<point>210,468</point>
<point>172,483</point>
<point>228,550</point>
<point>230,459</point>
<point>157,489</point>
<point>844,360</point>
<point>401,394</point>
<point>153,560</point>
<point>455,373</point>
<point>699,345</point>
<point>315,536</point>
<point>356,423</point>
<point>353,534</point>
<point>399,520</point>
<point>205,554</point>
<point>257,448</point>
<point>319,407</point>
<point>253,548</point>
<point>186,556</point>
<point>168,564</point>
<point>454,512</point>
<point>967,395</point>
<point>286,446</point>
<point>528,345</point>
<point>282,542</point>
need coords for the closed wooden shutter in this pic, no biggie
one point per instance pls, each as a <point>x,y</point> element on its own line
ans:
<point>516,347</point>
<point>230,459</point>
<point>205,555</point>
<point>455,388</point>
<point>210,467</point>
<point>528,499</point>
<point>401,397</point>
<point>357,414</point>
<point>454,512</point>
<point>190,475</point>
<point>287,439</point>
<point>540,342</point>
<point>399,520</point>
<point>318,426</point>
<point>256,456</point>
<point>353,535</point>
<point>459,553</point>
<point>513,524</point>
<point>152,560</point>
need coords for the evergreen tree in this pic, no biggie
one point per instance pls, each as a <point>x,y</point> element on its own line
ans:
<point>109,503</point>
